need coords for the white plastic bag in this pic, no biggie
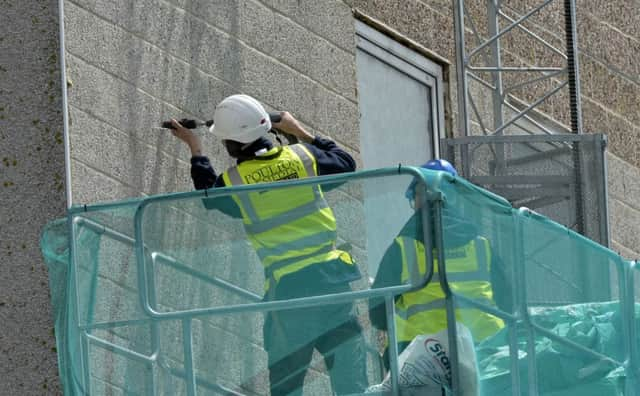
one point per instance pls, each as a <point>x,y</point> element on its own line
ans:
<point>425,366</point>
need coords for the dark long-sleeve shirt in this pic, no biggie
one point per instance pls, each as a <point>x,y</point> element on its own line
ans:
<point>330,159</point>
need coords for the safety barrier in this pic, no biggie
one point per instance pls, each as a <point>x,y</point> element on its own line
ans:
<point>164,295</point>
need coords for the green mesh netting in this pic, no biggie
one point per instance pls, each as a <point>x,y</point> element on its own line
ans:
<point>166,295</point>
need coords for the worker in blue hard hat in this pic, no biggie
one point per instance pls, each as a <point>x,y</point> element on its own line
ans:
<point>434,164</point>
<point>294,234</point>
<point>472,269</point>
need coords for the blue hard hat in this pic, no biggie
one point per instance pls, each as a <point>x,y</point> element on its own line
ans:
<point>440,165</point>
<point>434,164</point>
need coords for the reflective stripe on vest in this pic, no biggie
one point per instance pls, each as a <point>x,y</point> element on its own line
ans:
<point>289,228</point>
<point>423,311</point>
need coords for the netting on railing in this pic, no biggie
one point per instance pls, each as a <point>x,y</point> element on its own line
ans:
<point>187,294</point>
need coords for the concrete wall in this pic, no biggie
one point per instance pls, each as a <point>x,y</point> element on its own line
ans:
<point>31,192</point>
<point>609,34</point>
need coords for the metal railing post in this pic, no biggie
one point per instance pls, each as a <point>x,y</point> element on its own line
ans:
<point>393,345</point>
<point>532,373</point>
<point>187,341</point>
<point>73,280</point>
<point>634,348</point>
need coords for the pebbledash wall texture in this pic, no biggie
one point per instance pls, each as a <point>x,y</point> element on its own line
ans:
<point>133,63</point>
<point>31,191</point>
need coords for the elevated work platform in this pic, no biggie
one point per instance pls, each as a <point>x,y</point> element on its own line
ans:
<point>164,295</point>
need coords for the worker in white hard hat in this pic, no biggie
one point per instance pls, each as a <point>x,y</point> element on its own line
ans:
<point>294,234</point>
<point>474,270</point>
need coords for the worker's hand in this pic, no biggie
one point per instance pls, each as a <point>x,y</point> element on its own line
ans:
<point>187,136</point>
<point>288,124</point>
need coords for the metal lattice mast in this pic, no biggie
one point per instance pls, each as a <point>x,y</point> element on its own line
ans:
<point>484,64</point>
<point>514,61</point>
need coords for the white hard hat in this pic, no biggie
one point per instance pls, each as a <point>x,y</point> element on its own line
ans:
<point>240,118</point>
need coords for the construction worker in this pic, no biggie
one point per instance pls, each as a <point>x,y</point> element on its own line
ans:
<point>294,233</point>
<point>472,269</point>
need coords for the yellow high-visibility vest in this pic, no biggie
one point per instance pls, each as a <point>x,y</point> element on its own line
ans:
<point>289,228</point>
<point>423,311</point>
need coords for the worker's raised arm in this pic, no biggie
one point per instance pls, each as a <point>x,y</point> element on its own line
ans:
<point>290,125</point>
<point>187,136</point>
<point>202,172</point>
<point>330,158</point>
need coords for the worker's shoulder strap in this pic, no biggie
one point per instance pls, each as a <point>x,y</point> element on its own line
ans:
<point>411,252</point>
<point>307,158</point>
<point>483,254</point>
